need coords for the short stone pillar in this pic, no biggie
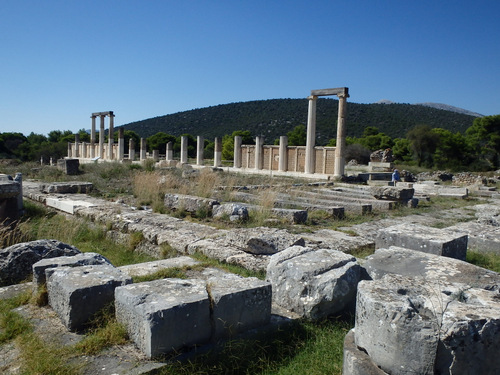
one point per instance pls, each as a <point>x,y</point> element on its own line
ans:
<point>340,147</point>
<point>92,138</point>
<point>156,155</point>
<point>70,153</point>
<point>131,149</point>
<point>121,145</point>
<point>237,151</point>
<point>218,152</point>
<point>101,137</point>
<point>259,142</point>
<point>142,155</point>
<point>169,152</point>
<point>111,138</point>
<point>77,145</point>
<point>184,149</point>
<point>20,204</point>
<point>84,150</point>
<point>283,154</point>
<point>311,135</point>
<point>200,143</point>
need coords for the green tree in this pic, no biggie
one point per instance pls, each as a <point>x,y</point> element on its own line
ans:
<point>402,149</point>
<point>298,136</point>
<point>484,137</point>
<point>423,144</point>
<point>228,142</point>
<point>159,141</point>
<point>452,151</point>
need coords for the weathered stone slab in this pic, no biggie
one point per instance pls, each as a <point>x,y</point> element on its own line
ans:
<point>78,260</point>
<point>313,283</point>
<point>67,205</point>
<point>165,315</point>
<point>482,238</point>
<point>77,294</point>
<point>422,238</point>
<point>291,215</point>
<point>440,190</point>
<point>397,260</point>
<point>410,325</point>
<point>356,361</point>
<point>335,240</point>
<point>189,203</point>
<point>73,187</point>
<point>16,260</point>
<point>234,211</point>
<point>263,240</point>
<point>238,304</point>
<point>393,193</point>
<point>149,268</point>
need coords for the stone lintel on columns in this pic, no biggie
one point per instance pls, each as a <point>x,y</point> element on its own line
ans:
<point>327,92</point>
<point>108,113</point>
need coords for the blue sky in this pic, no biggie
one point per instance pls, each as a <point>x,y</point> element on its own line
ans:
<point>60,61</point>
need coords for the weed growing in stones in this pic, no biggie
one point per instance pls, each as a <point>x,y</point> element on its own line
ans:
<point>488,260</point>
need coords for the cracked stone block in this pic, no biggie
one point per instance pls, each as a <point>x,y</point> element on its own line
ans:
<point>357,361</point>
<point>41,267</point>
<point>313,283</point>
<point>76,294</point>
<point>425,239</point>
<point>165,315</point>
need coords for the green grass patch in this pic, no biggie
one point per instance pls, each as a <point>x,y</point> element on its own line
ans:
<point>166,273</point>
<point>302,347</point>
<point>233,268</point>
<point>489,261</point>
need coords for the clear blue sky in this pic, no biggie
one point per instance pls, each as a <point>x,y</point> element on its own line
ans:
<point>62,60</point>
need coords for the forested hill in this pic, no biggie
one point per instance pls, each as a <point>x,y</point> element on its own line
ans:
<point>275,117</point>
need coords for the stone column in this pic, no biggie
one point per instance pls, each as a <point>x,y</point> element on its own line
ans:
<point>70,152</point>
<point>20,204</point>
<point>200,143</point>
<point>311,135</point>
<point>339,170</point>
<point>156,155</point>
<point>77,145</point>
<point>237,151</point>
<point>218,152</point>
<point>142,153</point>
<point>131,149</point>
<point>92,138</point>
<point>84,150</point>
<point>283,156</point>
<point>259,142</point>
<point>170,152</point>
<point>101,138</point>
<point>111,135</point>
<point>121,144</point>
<point>184,149</point>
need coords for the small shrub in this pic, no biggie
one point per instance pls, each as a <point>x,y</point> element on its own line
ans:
<point>167,251</point>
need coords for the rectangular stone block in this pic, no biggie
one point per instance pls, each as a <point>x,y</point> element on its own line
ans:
<point>77,294</point>
<point>238,304</point>
<point>421,238</point>
<point>165,315</point>
<point>40,268</point>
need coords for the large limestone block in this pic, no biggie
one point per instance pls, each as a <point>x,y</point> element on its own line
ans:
<point>165,315</point>
<point>76,294</point>
<point>422,238</point>
<point>397,260</point>
<point>234,211</point>
<point>238,303</point>
<point>189,203</point>
<point>356,361</point>
<point>263,241</point>
<point>84,259</point>
<point>16,260</point>
<point>73,187</point>
<point>149,268</point>
<point>411,325</point>
<point>313,283</point>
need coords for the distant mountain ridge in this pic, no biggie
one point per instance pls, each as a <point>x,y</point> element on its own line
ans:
<point>445,107</point>
<point>274,117</point>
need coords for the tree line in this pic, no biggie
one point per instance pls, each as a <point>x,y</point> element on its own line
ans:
<point>476,149</point>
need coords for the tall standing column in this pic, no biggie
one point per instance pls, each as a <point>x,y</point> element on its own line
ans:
<point>84,150</point>
<point>131,149</point>
<point>101,138</point>
<point>340,148</point>
<point>259,142</point>
<point>142,152</point>
<point>218,152</point>
<point>170,152</point>
<point>200,143</point>
<point>237,151</point>
<point>111,138</point>
<point>121,145</point>
<point>77,145</point>
<point>311,134</point>
<point>283,154</point>
<point>92,138</point>
<point>184,149</point>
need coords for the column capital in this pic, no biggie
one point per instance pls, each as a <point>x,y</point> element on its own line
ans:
<point>312,97</point>
<point>343,96</point>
